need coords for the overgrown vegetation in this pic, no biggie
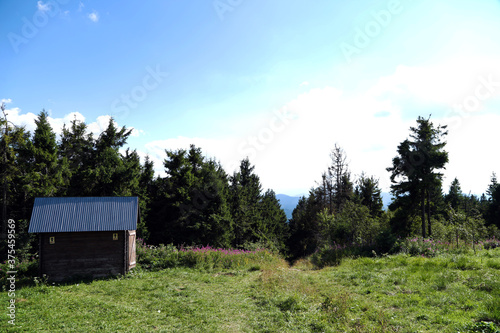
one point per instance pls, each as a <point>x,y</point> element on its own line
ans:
<point>151,257</point>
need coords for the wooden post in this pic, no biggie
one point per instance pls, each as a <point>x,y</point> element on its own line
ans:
<point>125,252</point>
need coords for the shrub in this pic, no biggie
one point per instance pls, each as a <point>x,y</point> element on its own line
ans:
<point>491,244</point>
<point>26,272</point>
<point>425,247</point>
<point>206,258</point>
<point>327,256</point>
<point>385,241</point>
<point>332,255</point>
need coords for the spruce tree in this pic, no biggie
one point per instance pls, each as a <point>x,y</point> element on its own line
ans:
<point>13,141</point>
<point>305,228</point>
<point>368,193</point>
<point>493,206</point>
<point>46,172</point>
<point>339,179</point>
<point>245,196</point>
<point>190,205</point>
<point>77,147</point>
<point>107,164</point>
<point>455,197</point>
<point>274,227</point>
<point>414,173</point>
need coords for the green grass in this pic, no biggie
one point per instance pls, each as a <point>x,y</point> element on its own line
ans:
<point>446,293</point>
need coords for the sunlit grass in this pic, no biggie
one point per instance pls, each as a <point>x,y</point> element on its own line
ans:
<point>398,293</point>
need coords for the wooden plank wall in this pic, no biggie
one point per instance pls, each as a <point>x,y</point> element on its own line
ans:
<point>82,254</point>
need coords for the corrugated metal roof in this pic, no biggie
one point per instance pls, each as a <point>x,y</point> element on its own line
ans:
<point>84,214</point>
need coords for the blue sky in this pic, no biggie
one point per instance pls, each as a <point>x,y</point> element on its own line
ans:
<point>278,81</point>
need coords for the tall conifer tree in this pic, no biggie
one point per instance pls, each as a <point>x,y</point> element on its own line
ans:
<point>414,172</point>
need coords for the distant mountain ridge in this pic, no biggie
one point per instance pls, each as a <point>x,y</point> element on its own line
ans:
<point>288,203</point>
<point>386,199</point>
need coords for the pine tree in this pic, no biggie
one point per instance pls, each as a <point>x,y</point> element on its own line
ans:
<point>455,197</point>
<point>274,227</point>
<point>77,146</point>
<point>213,191</point>
<point>245,194</point>
<point>46,173</point>
<point>146,185</point>
<point>191,205</point>
<point>107,164</point>
<point>493,210</point>
<point>339,179</point>
<point>414,171</point>
<point>12,141</point>
<point>306,230</point>
<point>368,193</point>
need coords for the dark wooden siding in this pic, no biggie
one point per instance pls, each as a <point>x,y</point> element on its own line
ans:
<point>83,254</point>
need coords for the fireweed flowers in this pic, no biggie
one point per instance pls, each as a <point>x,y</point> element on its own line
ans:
<point>204,257</point>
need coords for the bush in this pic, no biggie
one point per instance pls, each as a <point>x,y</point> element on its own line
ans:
<point>26,272</point>
<point>207,258</point>
<point>490,244</point>
<point>385,242</point>
<point>332,255</point>
<point>425,247</point>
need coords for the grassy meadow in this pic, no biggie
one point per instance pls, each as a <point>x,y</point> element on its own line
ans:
<point>255,291</point>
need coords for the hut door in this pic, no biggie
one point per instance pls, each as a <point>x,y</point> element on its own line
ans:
<point>131,248</point>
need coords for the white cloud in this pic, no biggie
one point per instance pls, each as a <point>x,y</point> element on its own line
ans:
<point>136,132</point>
<point>305,83</point>
<point>471,158</point>
<point>290,149</point>
<point>296,157</point>
<point>98,126</point>
<point>219,149</point>
<point>94,16</point>
<point>80,6</point>
<point>290,155</point>
<point>26,120</point>
<point>43,7</point>
<point>442,84</point>
<point>58,123</point>
<point>5,101</point>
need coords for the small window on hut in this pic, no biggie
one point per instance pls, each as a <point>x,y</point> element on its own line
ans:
<point>115,236</point>
<point>52,240</point>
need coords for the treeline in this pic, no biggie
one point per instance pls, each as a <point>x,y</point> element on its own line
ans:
<point>197,202</point>
<point>346,211</point>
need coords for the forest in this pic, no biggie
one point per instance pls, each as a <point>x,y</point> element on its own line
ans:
<point>198,203</point>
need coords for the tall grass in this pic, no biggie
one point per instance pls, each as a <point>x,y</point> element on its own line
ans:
<point>204,257</point>
<point>332,255</point>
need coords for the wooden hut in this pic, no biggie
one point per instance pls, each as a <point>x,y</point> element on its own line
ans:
<point>85,237</point>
